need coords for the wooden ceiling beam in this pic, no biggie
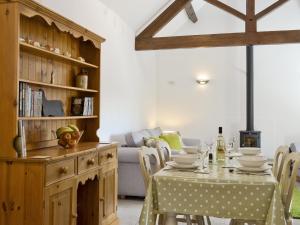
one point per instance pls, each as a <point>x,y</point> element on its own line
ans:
<point>189,9</point>
<point>251,23</point>
<point>227,8</point>
<point>270,9</point>
<point>163,19</point>
<point>219,40</point>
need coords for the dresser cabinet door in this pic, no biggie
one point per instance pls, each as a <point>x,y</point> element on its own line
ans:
<point>108,194</point>
<point>60,203</point>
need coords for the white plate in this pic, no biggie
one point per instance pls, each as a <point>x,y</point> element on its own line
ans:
<point>187,159</point>
<point>250,151</point>
<point>182,166</point>
<point>233,154</point>
<point>254,169</point>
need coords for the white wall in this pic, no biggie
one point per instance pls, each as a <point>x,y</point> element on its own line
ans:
<point>128,82</point>
<point>197,111</point>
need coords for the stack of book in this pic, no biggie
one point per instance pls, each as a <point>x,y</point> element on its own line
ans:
<point>82,106</point>
<point>30,101</point>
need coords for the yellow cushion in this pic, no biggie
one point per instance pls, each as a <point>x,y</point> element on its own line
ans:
<point>173,139</point>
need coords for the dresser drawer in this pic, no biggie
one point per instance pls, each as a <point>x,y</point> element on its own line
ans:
<point>86,162</point>
<point>60,170</point>
<point>107,156</point>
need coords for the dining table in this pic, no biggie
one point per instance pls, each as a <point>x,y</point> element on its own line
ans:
<point>217,191</point>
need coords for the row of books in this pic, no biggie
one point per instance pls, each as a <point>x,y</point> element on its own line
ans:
<point>82,106</point>
<point>30,101</point>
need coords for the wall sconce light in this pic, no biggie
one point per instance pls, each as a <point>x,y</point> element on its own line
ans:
<point>202,81</point>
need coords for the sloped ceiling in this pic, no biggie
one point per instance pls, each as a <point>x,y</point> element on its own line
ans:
<point>136,12</point>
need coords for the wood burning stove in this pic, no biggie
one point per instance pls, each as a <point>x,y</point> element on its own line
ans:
<point>250,137</point>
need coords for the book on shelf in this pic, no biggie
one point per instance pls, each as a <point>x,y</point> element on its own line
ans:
<point>82,106</point>
<point>30,101</point>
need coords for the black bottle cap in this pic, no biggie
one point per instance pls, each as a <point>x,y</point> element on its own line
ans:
<point>220,130</point>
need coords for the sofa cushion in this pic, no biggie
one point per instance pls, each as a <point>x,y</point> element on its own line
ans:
<point>138,137</point>
<point>155,132</point>
<point>129,140</point>
<point>173,139</point>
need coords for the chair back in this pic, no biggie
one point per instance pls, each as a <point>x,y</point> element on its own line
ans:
<point>161,153</point>
<point>279,158</point>
<point>149,162</point>
<point>288,180</point>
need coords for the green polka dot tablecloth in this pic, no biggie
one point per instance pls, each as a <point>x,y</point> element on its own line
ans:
<point>218,194</point>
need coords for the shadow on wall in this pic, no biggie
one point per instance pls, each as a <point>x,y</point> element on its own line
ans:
<point>119,138</point>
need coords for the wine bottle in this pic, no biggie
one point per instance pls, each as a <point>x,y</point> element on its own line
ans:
<point>220,149</point>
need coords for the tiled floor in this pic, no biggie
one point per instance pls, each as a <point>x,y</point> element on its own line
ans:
<point>129,212</point>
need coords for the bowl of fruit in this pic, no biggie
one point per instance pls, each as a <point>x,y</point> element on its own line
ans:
<point>68,137</point>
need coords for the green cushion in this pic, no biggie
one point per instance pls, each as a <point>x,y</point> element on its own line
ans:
<point>173,139</point>
<point>296,203</point>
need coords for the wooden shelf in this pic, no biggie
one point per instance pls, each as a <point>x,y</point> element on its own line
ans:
<point>57,86</point>
<point>43,52</point>
<point>59,118</point>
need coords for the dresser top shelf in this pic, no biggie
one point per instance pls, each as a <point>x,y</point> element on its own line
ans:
<point>52,55</point>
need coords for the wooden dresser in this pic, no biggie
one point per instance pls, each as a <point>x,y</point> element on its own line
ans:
<point>60,187</point>
<point>40,49</point>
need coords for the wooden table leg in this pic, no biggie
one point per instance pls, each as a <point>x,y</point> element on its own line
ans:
<point>171,219</point>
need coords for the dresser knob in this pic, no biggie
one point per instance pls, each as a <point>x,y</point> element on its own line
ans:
<point>4,207</point>
<point>109,155</point>
<point>63,170</point>
<point>91,162</point>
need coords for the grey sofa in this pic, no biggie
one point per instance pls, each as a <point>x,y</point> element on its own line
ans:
<point>131,182</point>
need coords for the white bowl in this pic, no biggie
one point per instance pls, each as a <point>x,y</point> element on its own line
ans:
<point>185,159</point>
<point>252,161</point>
<point>250,151</point>
<point>190,149</point>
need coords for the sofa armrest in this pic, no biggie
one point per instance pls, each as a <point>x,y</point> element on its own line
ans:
<point>128,154</point>
<point>191,142</point>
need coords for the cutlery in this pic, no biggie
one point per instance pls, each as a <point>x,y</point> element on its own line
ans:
<point>229,167</point>
<point>186,170</point>
<point>200,172</point>
<point>181,170</point>
<point>256,174</point>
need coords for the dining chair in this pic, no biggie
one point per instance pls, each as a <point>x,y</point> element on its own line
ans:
<point>145,156</point>
<point>288,181</point>
<point>287,184</point>
<point>279,158</point>
<point>161,153</point>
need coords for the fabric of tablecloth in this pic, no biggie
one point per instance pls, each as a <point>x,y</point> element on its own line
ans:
<point>218,194</point>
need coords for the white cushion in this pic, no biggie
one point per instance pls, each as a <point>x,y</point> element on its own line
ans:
<point>155,132</point>
<point>138,137</point>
